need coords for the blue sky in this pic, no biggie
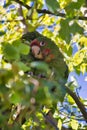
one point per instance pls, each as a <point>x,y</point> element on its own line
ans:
<point>82,81</point>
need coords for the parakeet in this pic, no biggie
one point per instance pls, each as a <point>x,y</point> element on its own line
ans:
<point>44,50</point>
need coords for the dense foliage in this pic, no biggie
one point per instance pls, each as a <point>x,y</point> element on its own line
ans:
<point>35,93</point>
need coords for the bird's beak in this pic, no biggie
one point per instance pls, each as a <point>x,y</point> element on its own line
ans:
<point>39,55</point>
<point>37,52</point>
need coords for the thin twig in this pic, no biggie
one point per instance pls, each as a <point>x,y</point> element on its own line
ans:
<point>44,11</point>
<point>50,119</point>
<point>23,20</point>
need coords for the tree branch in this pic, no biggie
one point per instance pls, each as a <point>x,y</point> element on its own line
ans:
<point>16,20</point>
<point>78,102</point>
<point>49,118</point>
<point>44,11</point>
<point>23,20</point>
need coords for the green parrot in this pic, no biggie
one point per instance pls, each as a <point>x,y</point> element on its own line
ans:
<point>47,62</point>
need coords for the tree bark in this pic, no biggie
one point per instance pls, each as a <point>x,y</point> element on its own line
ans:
<point>78,102</point>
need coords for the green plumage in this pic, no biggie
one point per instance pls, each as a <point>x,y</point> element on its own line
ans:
<point>57,65</point>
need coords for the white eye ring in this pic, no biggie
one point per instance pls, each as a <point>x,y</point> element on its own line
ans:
<point>42,43</point>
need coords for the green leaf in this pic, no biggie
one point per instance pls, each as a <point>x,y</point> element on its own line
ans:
<point>3,118</point>
<point>16,126</point>
<point>69,50</point>
<point>41,96</point>
<point>21,47</point>
<point>52,5</point>
<point>22,66</point>
<point>5,75</point>
<point>39,65</point>
<point>8,2</point>
<point>10,52</point>
<point>76,28</point>
<point>64,32</point>
<point>24,49</point>
<point>74,7</point>
<point>15,98</point>
<point>3,89</point>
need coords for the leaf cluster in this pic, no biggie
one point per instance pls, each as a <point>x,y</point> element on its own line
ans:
<point>29,90</point>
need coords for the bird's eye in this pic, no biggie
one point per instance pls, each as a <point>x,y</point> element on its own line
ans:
<point>42,43</point>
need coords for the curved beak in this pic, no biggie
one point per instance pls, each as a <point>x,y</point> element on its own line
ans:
<point>37,52</point>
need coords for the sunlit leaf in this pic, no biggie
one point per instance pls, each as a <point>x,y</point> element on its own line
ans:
<point>3,11</point>
<point>74,124</point>
<point>70,65</point>
<point>64,3</point>
<point>45,110</point>
<point>34,14</point>
<point>83,41</point>
<point>47,20</point>
<point>11,15</point>
<point>59,124</point>
<point>70,99</point>
<point>78,58</point>
<point>83,67</point>
<point>48,33</point>
<point>40,4</point>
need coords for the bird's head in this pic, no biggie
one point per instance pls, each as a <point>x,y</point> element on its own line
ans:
<point>41,51</point>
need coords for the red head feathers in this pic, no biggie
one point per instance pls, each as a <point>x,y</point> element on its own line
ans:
<point>39,53</point>
<point>35,42</point>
